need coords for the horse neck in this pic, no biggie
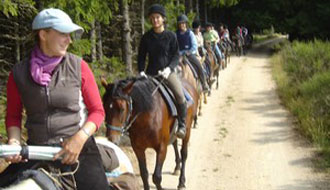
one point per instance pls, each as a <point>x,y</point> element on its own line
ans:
<point>146,122</point>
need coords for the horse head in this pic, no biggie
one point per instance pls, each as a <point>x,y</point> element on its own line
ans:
<point>118,106</point>
<point>123,101</point>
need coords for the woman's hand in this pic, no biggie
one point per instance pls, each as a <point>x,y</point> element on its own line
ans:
<point>71,148</point>
<point>17,158</point>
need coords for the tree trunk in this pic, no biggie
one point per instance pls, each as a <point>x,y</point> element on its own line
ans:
<point>99,42</point>
<point>17,46</point>
<point>197,9</point>
<point>93,41</point>
<point>142,15</point>
<point>126,37</point>
<point>188,5</point>
<point>205,11</point>
<point>17,39</point>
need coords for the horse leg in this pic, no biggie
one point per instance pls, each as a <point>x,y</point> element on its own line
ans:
<point>217,85</point>
<point>200,106</point>
<point>160,157</point>
<point>184,154</point>
<point>195,121</point>
<point>205,96</point>
<point>140,154</point>
<point>177,158</point>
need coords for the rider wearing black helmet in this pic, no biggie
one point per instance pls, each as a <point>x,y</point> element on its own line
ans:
<point>162,49</point>
<point>189,47</point>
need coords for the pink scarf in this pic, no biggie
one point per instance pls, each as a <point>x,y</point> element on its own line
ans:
<point>42,66</point>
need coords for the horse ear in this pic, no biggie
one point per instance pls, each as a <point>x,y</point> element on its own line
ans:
<point>129,87</point>
<point>104,82</point>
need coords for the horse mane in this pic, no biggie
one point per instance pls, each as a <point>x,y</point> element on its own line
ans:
<point>141,93</point>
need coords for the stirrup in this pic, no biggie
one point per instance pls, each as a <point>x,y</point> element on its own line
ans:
<point>181,133</point>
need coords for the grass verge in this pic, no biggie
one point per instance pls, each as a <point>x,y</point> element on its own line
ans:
<point>302,73</point>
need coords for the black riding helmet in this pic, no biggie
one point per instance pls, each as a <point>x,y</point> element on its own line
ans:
<point>196,24</point>
<point>182,18</point>
<point>157,8</point>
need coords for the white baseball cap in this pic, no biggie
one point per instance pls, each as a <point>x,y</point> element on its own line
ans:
<point>55,19</point>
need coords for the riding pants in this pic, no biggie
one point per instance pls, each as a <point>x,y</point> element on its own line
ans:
<point>174,83</point>
<point>217,52</point>
<point>196,64</point>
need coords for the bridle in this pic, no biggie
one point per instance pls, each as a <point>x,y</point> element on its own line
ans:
<point>127,124</point>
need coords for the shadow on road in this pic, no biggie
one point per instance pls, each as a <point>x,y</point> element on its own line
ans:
<point>307,185</point>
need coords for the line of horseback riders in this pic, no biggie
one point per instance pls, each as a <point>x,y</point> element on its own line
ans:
<point>164,49</point>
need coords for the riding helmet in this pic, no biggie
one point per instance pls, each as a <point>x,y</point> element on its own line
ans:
<point>157,8</point>
<point>182,18</point>
<point>196,24</point>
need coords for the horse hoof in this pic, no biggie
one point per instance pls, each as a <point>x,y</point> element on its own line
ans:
<point>176,172</point>
<point>181,188</point>
<point>199,114</point>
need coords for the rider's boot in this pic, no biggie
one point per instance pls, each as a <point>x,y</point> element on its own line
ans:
<point>182,114</point>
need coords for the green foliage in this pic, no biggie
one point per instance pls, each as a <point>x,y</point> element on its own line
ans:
<point>302,73</point>
<point>302,19</point>
<point>10,7</point>
<point>226,3</point>
<point>172,12</point>
<point>2,118</point>
<point>84,12</point>
<point>109,68</point>
<point>7,7</point>
<point>306,59</point>
<point>81,47</point>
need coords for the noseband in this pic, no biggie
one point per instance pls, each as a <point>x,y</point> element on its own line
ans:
<point>128,124</point>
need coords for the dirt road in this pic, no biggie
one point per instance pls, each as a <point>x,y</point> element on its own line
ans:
<point>245,139</point>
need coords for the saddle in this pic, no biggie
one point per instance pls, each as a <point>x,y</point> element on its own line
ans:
<point>169,98</point>
<point>187,62</point>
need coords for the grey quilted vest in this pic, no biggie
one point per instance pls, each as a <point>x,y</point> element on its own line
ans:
<point>52,111</point>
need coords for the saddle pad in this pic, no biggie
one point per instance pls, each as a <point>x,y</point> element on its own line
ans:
<point>186,61</point>
<point>169,98</point>
<point>188,97</point>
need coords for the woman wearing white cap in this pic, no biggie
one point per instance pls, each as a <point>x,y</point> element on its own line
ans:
<point>63,107</point>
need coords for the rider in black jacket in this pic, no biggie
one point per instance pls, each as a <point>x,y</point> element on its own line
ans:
<point>162,49</point>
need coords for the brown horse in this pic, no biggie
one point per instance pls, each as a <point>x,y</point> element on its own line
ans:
<point>225,47</point>
<point>137,107</point>
<point>187,74</point>
<point>214,67</point>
